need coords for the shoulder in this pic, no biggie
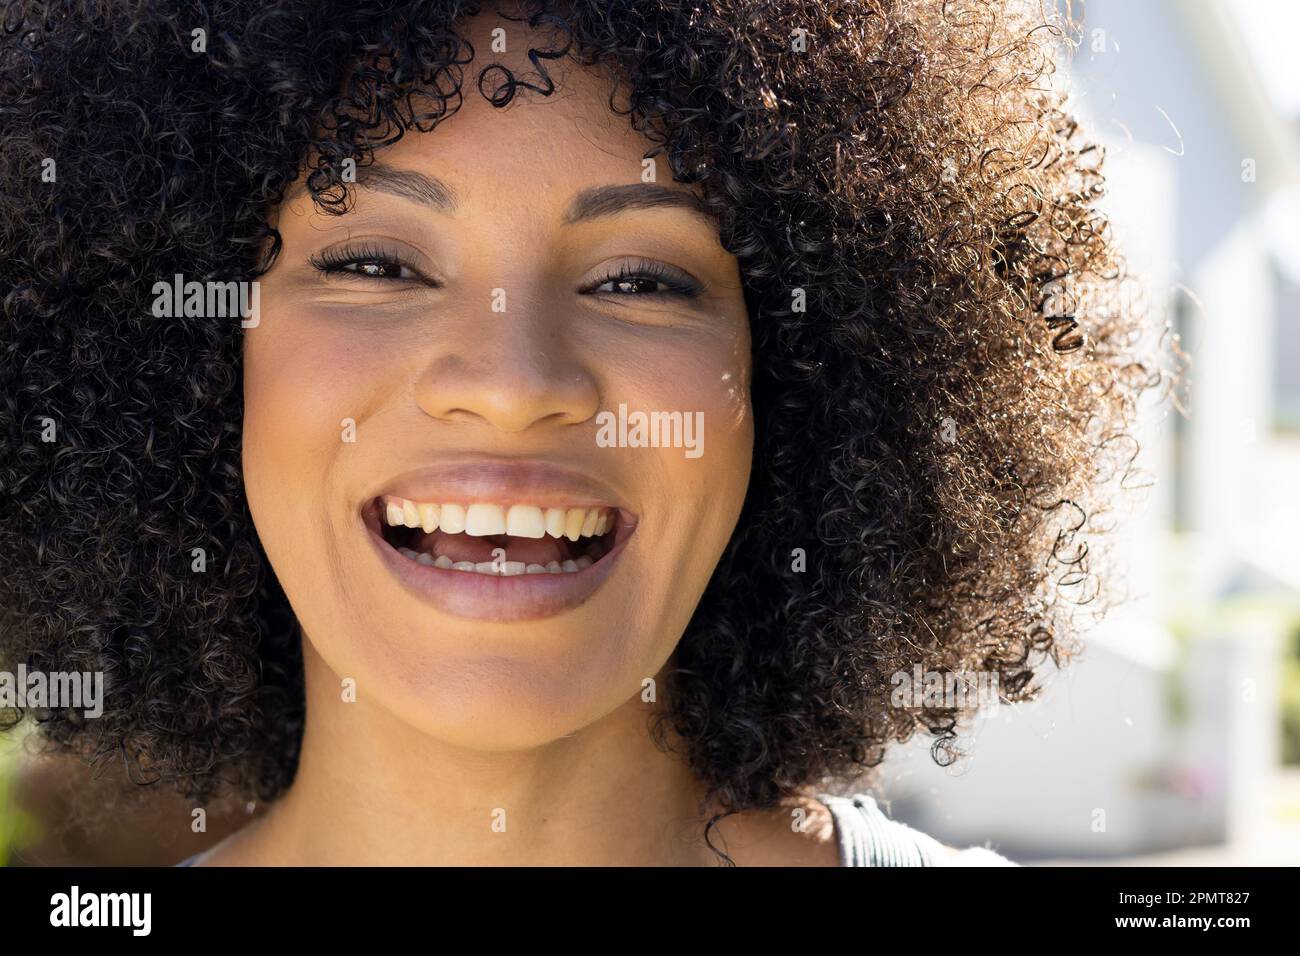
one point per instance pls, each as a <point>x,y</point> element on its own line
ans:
<point>241,848</point>
<point>868,837</point>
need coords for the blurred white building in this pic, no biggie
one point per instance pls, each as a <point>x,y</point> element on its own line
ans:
<point>1165,733</point>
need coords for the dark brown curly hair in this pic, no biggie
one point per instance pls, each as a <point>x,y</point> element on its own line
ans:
<point>944,367</point>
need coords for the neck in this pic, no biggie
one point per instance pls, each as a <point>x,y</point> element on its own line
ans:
<point>373,790</point>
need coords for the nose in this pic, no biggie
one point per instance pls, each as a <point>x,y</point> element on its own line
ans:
<point>513,370</point>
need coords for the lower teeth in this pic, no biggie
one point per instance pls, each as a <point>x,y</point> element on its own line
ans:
<point>503,569</point>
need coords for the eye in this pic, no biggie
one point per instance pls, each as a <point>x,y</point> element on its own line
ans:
<point>378,269</point>
<point>646,278</point>
<point>367,263</point>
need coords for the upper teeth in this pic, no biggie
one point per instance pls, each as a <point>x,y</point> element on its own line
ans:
<point>480,520</point>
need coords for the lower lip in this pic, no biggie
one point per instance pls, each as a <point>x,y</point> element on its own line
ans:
<point>499,598</point>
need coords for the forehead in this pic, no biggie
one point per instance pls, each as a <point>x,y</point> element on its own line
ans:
<point>542,157</point>
<point>570,137</point>
<point>538,142</point>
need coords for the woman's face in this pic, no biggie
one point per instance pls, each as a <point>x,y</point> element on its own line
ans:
<point>457,341</point>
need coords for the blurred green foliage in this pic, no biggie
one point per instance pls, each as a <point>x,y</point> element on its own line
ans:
<point>1291,699</point>
<point>18,829</point>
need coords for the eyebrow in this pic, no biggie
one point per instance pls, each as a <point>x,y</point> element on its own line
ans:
<point>593,203</point>
<point>601,201</point>
<point>408,184</point>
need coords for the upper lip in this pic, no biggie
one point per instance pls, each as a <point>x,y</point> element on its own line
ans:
<point>500,481</point>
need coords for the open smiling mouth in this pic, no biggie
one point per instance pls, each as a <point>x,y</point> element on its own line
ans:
<point>500,540</point>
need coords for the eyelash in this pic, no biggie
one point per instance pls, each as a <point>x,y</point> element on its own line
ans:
<point>677,284</point>
<point>338,261</point>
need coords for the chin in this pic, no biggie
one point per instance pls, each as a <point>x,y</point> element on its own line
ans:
<point>500,702</point>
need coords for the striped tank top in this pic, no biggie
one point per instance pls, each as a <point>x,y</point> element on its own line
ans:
<point>867,837</point>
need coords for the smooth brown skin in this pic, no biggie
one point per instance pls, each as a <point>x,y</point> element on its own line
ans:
<point>454,718</point>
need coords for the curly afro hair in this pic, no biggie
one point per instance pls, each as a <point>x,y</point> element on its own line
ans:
<point>944,377</point>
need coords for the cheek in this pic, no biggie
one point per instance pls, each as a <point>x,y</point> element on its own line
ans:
<point>303,374</point>
<point>309,386</point>
<point>712,383</point>
<point>700,491</point>
<point>306,400</point>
